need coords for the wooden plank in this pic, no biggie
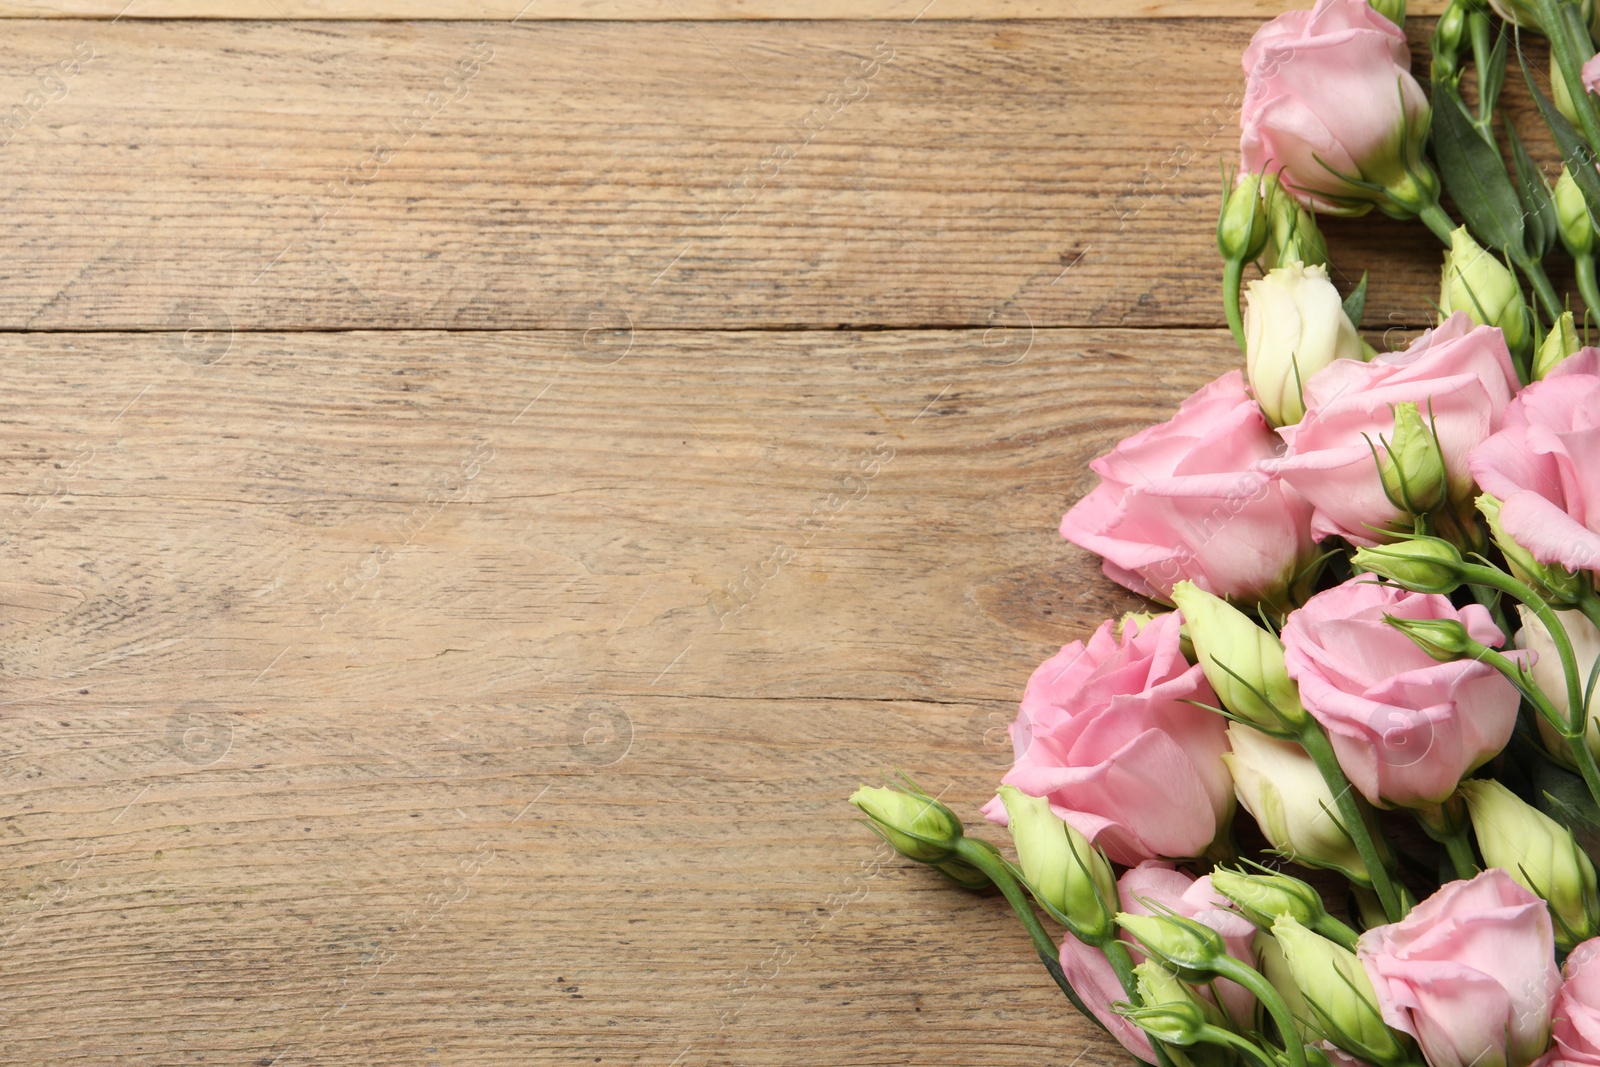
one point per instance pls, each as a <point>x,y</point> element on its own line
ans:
<point>370,697</point>
<point>591,175</point>
<point>528,10</point>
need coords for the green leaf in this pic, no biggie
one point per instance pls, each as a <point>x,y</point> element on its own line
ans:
<point>1540,223</point>
<point>1356,302</point>
<point>1474,174</point>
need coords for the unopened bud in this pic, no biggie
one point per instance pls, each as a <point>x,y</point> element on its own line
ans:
<point>1412,465</point>
<point>1191,948</point>
<point>1294,325</point>
<point>1274,967</point>
<point>1243,662</point>
<point>1339,993</point>
<point>1480,285</point>
<point>1281,786</point>
<point>1242,226</point>
<point>1448,36</point>
<point>1572,215</point>
<point>1261,898</point>
<point>1443,639</point>
<point>1293,234</point>
<point>1175,1024</point>
<point>1561,342</point>
<point>1539,853</point>
<point>917,825</point>
<point>1421,564</point>
<point>1554,582</point>
<point>1060,865</point>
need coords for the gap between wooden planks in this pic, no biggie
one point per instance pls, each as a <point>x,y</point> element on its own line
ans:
<point>324,748</point>
<point>659,9</point>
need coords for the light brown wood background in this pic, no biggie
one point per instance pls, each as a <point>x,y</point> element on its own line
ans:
<point>373,692</point>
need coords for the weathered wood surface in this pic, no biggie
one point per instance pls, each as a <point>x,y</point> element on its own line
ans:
<point>279,664</point>
<point>262,175</point>
<point>445,632</point>
<point>523,10</point>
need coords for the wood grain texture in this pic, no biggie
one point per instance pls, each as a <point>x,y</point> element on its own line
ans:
<point>276,176</point>
<point>527,10</point>
<point>324,748</point>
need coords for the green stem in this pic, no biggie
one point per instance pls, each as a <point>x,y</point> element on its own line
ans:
<point>1232,276</point>
<point>1458,846</point>
<point>1358,819</point>
<point>1216,1035</point>
<point>1549,299</point>
<point>1577,724</point>
<point>1271,999</point>
<point>1440,223</point>
<point>1335,931</point>
<point>1586,283</point>
<point>995,869</point>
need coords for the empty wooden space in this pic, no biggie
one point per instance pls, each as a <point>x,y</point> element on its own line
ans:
<point>479,492</point>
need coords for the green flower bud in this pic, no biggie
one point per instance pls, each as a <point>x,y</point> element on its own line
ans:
<point>1242,661</point>
<point>1393,10</point>
<point>1060,865</point>
<point>917,825</point>
<point>1539,853</point>
<point>1572,215</point>
<point>1189,947</point>
<point>1280,785</point>
<point>1443,639</point>
<point>1160,988</point>
<point>1261,898</point>
<point>1421,564</point>
<point>1242,226</point>
<point>1555,583</point>
<point>1550,677</point>
<point>1412,466</point>
<point>1482,286</point>
<point>1339,993</point>
<point>1293,233</point>
<point>1175,1024</point>
<point>1271,963</point>
<point>1448,37</point>
<point>1558,344</point>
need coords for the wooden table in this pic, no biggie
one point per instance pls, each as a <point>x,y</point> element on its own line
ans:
<point>480,495</point>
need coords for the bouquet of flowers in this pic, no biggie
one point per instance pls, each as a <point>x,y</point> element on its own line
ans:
<point>1379,633</point>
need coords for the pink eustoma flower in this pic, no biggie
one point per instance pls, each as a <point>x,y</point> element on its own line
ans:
<point>1106,734</point>
<point>1187,499</point>
<point>1542,465</point>
<point>1331,105</point>
<point>1577,1013</point>
<point>1406,728</point>
<point>1470,973</point>
<point>1461,378</point>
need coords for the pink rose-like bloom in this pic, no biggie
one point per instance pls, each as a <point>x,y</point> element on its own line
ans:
<point>1186,500</point>
<point>1577,1014</point>
<point>1332,88</point>
<point>1470,973</point>
<point>1460,372</point>
<point>1406,728</point>
<point>1542,465</point>
<point>1160,885</point>
<point>1105,735</point>
<point>1591,74</point>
